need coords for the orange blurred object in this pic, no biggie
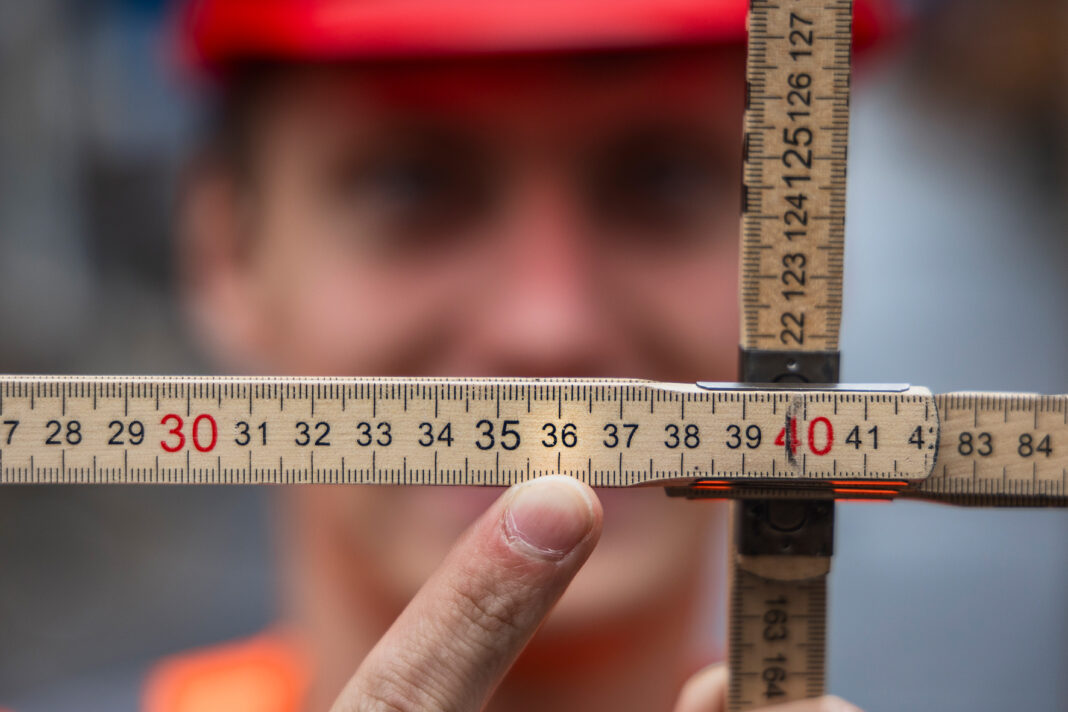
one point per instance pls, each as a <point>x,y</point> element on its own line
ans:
<point>265,673</point>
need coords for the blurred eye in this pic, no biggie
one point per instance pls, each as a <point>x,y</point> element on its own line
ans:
<point>659,186</point>
<point>416,189</point>
<point>424,192</point>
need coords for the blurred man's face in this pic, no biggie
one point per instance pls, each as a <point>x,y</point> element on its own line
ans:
<point>537,217</point>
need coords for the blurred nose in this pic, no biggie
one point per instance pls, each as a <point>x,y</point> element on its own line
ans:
<point>542,315</point>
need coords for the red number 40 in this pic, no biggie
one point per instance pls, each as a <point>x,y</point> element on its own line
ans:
<point>795,442</point>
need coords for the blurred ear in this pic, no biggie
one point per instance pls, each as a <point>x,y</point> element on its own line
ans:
<point>217,267</point>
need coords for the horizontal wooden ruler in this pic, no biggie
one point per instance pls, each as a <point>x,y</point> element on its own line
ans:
<point>860,441</point>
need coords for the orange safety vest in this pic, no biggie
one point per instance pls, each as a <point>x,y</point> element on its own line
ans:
<point>265,673</point>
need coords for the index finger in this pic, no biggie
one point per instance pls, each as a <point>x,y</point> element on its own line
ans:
<point>466,626</point>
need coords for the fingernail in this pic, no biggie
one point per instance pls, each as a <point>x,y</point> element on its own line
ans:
<point>548,516</point>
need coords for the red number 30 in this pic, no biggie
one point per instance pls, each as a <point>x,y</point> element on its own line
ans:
<point>177,431</point>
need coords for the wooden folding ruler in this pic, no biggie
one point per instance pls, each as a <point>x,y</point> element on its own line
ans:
<point>793,238</point>
<point>785,450</point>
<point>796,140</point>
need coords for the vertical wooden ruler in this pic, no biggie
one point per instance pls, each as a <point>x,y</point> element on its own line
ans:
<point>796,140</point>
<point>793,224</point>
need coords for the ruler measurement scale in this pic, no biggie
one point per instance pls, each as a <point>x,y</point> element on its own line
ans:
<point>962,448</point>
<point>998,448</point>
<point>793,615</point>
<point>399,431</point>
<point>793,223</point>
<point>794,177</point>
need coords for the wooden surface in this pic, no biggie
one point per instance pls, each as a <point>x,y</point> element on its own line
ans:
<point>776,646</point>
<point>610,433</point>
<point>452,431</point>
<point>1000,449</point>
<point>796,136</point>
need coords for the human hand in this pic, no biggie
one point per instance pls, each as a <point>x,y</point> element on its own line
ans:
<point>457,638</point>
<point>469,622</point>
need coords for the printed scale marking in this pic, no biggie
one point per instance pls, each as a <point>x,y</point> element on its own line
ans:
<point>610,433</point>
<point>794,174</point>
<point>792,237</point>
<point>967,448</point>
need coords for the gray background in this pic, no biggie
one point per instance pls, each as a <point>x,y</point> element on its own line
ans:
<point>956,280</point>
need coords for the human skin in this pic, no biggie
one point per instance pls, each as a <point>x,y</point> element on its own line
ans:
<point>539,216</point>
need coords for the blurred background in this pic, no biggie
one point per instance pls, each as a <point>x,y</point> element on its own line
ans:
<point>956,268</point>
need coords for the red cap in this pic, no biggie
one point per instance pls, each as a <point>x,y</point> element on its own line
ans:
<point>218,33</point>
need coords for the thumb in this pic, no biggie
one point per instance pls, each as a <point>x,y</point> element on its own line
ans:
<point>706,691</point>
<point>466,626</point>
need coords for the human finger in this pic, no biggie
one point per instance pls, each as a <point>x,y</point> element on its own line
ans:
<point>705,691</point>
<point>466,626</point>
